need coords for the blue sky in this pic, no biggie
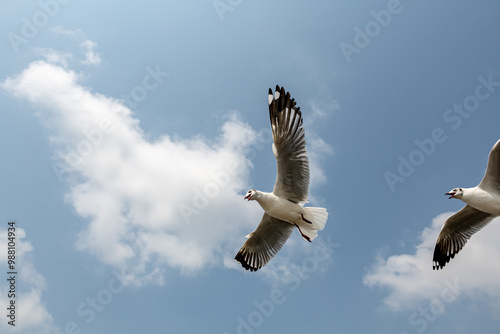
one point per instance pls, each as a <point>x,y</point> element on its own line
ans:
<point>131,133</point>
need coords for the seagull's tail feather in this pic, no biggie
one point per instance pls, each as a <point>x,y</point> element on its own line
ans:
<point>317,217</point>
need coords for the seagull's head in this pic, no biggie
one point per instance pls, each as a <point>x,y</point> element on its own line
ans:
<point>251,195</point>
<point>455,193</point>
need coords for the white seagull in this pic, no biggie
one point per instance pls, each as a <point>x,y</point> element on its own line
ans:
<point>284,206</point>
<point>483,205</point>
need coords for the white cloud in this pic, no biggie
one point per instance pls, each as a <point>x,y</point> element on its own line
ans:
<point>321,110</point>
<point>174,203</point>
<point>56,57</point>
<point>62,31</point>
<point>91,57</point>
<point>318,150</point>
<point>87,46</point>
<point>411,280</point>
<point>29,286</point>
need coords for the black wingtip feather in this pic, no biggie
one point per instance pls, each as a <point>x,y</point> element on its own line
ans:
<point>240,257</point>
<point>283,101</point>
<point>441,258</point>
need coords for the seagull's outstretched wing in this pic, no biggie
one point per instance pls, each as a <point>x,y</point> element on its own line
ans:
<point>456,231</point>
<point>491,179</point>
<point>289,147</point>
<point>263,243</point>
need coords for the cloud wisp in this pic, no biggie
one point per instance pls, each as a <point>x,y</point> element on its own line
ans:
<point>29,312</point>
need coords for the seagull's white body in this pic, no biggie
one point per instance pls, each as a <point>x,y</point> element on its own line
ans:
<point>286,210</point>
<point>483,205</point>
<point>280,208</point>
<point>283,207</point>
<point>482,200</point>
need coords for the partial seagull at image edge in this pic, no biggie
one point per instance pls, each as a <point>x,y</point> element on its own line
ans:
<point>483,205</point>
<point>283,207</point>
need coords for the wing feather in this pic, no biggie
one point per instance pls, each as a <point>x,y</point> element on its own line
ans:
<point>292,179</point>
<point>456,231</point>
<point>264,243</point>
<point>491,179</point>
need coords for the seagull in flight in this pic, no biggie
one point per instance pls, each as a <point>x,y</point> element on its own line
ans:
<point>283,207</point>
<point>483,205</point>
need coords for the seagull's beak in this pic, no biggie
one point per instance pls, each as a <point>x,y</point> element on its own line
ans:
<point>248,196</point>
<point>450,194</point>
